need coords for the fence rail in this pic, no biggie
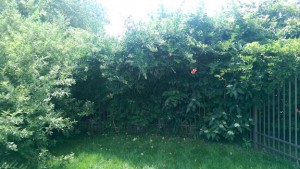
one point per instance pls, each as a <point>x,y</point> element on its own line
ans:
<point>276,121</point>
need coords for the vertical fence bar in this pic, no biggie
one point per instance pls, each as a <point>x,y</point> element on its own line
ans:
<point>264,124</point>
<point>199,114</point>
<point>255,126</point>
<point>252,130</point>
<point>269,122</point>
<point>259,126</point>
<point>290,120</point>
<point>273,110</point>
<point>278,110</point>
<point>284,115</point>
<point>296,118</point>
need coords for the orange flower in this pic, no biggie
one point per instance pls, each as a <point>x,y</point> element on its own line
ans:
<point>194,71</point>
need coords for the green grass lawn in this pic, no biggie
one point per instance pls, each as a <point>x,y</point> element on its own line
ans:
<point>111,151</point>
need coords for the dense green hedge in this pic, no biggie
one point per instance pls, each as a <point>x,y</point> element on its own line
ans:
<point>239,55</point>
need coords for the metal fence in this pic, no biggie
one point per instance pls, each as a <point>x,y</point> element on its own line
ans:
<point>276,121</point>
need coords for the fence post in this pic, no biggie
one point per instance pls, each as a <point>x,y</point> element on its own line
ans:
<point>255,127</point>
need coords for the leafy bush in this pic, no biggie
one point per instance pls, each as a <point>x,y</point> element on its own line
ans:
<point>222,125</point>
<point>37,64</point>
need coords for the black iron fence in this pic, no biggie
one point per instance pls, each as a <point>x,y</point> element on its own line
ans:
<point>276,122</point>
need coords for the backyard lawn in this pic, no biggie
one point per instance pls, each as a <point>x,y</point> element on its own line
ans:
<point>113,151</point>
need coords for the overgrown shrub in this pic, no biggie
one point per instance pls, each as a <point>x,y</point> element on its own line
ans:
<point>37,63</point>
